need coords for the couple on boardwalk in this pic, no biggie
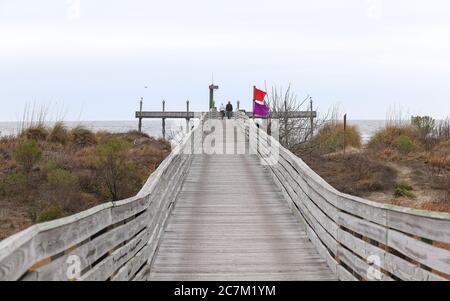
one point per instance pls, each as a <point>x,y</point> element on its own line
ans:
<point>226,111</point>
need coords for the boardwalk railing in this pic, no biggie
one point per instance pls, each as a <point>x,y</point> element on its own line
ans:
<point>113,241</point>
<point>360,239</point>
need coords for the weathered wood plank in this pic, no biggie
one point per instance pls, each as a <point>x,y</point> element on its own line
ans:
<point>426,227</point>
<point>21,251</point>
<point>345,275</point>
<point>363,227</point>
<point>219,233</point>
<point>431,256</point>
<point>52,238</point>
<point>360,266</point>
<point>103,270</point>
<point>91,251</point>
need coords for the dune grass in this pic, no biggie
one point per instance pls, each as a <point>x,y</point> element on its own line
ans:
<point>47,173</point>
<point>332,138</point>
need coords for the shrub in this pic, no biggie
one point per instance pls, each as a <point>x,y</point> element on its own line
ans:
<point>442,129</point>
<point>38,133</point>
<point>49,213</point>
<point>59,133</point>
<point>404,144</point>
<point>110,159</point>
<point>439,170</point>
<point>424,125</point>
<point>13,183</point>
<point>89,182</point>
<point>136,135</point>
<point>27,154</point>
<point>387,137</point>
<point>166,144</point>
<point>404,186</point>
<point>82,137</point>
<point>404,190</point>
<point>50,166</point>
<point>331,138</point>
<point>62,179</point>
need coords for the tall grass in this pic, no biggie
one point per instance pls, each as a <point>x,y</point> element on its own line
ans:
<point>409,134</point>
<point>332,137</point>
<point>39,116</point>
<point>397,117</point>
<point>34,117</point>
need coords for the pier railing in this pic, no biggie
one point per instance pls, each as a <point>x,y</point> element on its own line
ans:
<point>113,241</point>
<point>359,239</point>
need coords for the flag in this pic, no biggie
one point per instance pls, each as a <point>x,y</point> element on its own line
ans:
<point>259,94</point>
<point>260,110</point>
<point>259,107</point>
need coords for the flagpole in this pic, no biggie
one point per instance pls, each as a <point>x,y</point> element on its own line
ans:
<point>254,89</point>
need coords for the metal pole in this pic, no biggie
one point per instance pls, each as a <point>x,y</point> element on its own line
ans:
<point>187,119</point>
<point>254,89</point>
<point>238,105</point>
<point>164,120</point>
<point>140,115</point>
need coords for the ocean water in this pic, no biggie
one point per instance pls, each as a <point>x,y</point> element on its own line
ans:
<point>152,127</point>
<point>367,128</point>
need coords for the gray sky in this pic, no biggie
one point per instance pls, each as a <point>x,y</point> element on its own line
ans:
<point>93,58</point>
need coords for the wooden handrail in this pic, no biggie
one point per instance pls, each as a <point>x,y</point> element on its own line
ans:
<point>359,238</point>
<point>115,240</point>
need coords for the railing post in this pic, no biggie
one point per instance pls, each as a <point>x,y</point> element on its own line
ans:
<point>140,115</point>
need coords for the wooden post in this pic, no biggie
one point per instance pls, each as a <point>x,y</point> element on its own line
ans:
<point>311,117</point>
<point>345,129</point>
<point>164,120</point>
<point>187,119</point>
<point>238,105</point>
<point>140,117</point>
<point>286,124</point>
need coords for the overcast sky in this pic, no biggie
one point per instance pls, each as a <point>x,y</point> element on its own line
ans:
<point>93,58</point>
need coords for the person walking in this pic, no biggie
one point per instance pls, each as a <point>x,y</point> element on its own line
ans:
<point>229,110</point>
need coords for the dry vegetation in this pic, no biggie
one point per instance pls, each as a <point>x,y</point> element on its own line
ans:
<point>406,164</point>
<point>50,173</point>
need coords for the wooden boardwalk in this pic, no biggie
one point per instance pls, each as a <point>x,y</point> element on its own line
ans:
<point>229,217</point>
<point>230,222</point>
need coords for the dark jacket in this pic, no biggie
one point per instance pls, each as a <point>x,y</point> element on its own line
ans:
<point>229,107</point>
